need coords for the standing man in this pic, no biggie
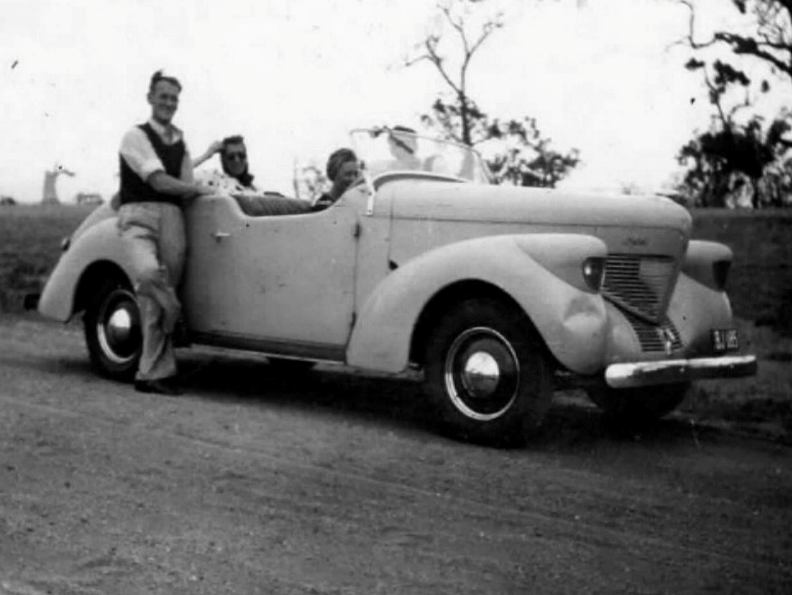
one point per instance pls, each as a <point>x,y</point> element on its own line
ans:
<point>156,182</point>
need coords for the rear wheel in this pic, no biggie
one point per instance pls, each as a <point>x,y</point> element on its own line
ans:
<point>641,405</point>
<point>487,373</point>
<point>112,331</point>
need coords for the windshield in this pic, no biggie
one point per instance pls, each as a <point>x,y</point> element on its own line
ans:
<point>384,150</point>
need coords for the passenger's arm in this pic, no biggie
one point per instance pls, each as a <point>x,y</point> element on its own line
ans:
<point>186,170</point>
<point>162,182</point>
<point>215,147</point>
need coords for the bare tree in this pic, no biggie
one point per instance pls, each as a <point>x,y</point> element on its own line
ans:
<point>525,157</point>
<point>453,15</point>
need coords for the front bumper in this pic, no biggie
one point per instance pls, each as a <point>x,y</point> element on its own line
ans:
<point>629,375</point>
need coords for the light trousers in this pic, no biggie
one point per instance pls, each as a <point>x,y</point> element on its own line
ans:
<point>155,237</point>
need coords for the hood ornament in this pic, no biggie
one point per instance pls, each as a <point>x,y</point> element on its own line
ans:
<point>635,241</point>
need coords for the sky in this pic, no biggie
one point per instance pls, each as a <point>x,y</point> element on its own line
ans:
<point>294,76</point>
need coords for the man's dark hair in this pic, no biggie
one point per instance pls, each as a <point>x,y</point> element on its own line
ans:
<point>236,139</point>
<point>245,178</point>
<point>338,158</point>
<point>158,76</point>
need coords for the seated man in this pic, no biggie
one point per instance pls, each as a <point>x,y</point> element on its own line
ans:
<point>343,170</point>
<point>403,146</point>
<point>237,181</point>
<point>235,177</point>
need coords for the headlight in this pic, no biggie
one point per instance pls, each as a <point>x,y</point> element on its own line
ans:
<point>65,243</point>
<point>594,272</point>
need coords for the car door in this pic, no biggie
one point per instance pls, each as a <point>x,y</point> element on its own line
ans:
<point>282,284</point>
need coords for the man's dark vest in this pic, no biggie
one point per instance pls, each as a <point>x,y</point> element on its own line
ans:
<point>135,189</point>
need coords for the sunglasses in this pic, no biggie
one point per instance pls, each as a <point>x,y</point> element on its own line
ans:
<point>235,156</point>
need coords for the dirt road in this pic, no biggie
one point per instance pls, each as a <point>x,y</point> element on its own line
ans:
<point>330,483</point>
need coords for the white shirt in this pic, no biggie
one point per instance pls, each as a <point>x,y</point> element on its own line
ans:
<point>222,183</point>
<point>140,156</point>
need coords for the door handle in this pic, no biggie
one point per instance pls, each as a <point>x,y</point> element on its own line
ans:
<point>219,235</point>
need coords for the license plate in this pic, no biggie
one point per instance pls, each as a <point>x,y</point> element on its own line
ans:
<point>725,340</point>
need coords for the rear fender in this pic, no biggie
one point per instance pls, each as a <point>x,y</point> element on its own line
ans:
<point>99,245</point>
<point>539,272</point>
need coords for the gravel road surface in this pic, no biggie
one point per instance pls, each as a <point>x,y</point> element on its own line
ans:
<point>252,482</point>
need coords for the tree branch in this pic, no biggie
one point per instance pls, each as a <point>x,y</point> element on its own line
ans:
<point>733,111</point>
<point>456,25</point>
<point>715,98</point>
<point>437,60</point>
<point>696,45</point>
<point>748,46</point>
<point>410,61</point>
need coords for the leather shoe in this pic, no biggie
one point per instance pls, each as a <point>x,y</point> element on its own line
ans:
<point>163,386</point>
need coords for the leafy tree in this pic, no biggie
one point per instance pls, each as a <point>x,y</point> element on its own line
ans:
<point>454,14</point>
<point>515,150</point>
<point>769,43</point>
<point>518,153</point>
<point>728,160</point>
<point>736,155</point>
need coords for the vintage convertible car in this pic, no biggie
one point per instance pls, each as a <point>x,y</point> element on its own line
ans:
<point>496,294</point>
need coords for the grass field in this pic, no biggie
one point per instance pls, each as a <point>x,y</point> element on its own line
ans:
<point>760,284</point>
<point>30,237</point>
<point>760,291</point>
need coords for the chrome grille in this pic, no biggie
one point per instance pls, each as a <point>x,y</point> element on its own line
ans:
<point>663,337</point>
<point>639,283</point>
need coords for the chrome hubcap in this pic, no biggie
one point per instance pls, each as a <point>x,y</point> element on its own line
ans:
<point>118,327</point>
<point>482,373</point>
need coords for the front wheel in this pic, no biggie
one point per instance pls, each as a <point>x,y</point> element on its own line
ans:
<point>487,373</point>
<point>639,406</point>
<point>112,331</point>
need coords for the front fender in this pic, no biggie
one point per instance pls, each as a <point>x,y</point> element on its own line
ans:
<point>536,270</point>
<point>696,309</point>
<point>701,260</point>
<point>100,243</point>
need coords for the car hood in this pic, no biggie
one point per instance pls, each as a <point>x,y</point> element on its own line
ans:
<point>426,214</point>
<point>446,201</point>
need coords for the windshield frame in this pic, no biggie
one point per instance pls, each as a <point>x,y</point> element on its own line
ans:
<point>480,172</point>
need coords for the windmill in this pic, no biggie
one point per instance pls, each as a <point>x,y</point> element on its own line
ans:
<point>49,193</point>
